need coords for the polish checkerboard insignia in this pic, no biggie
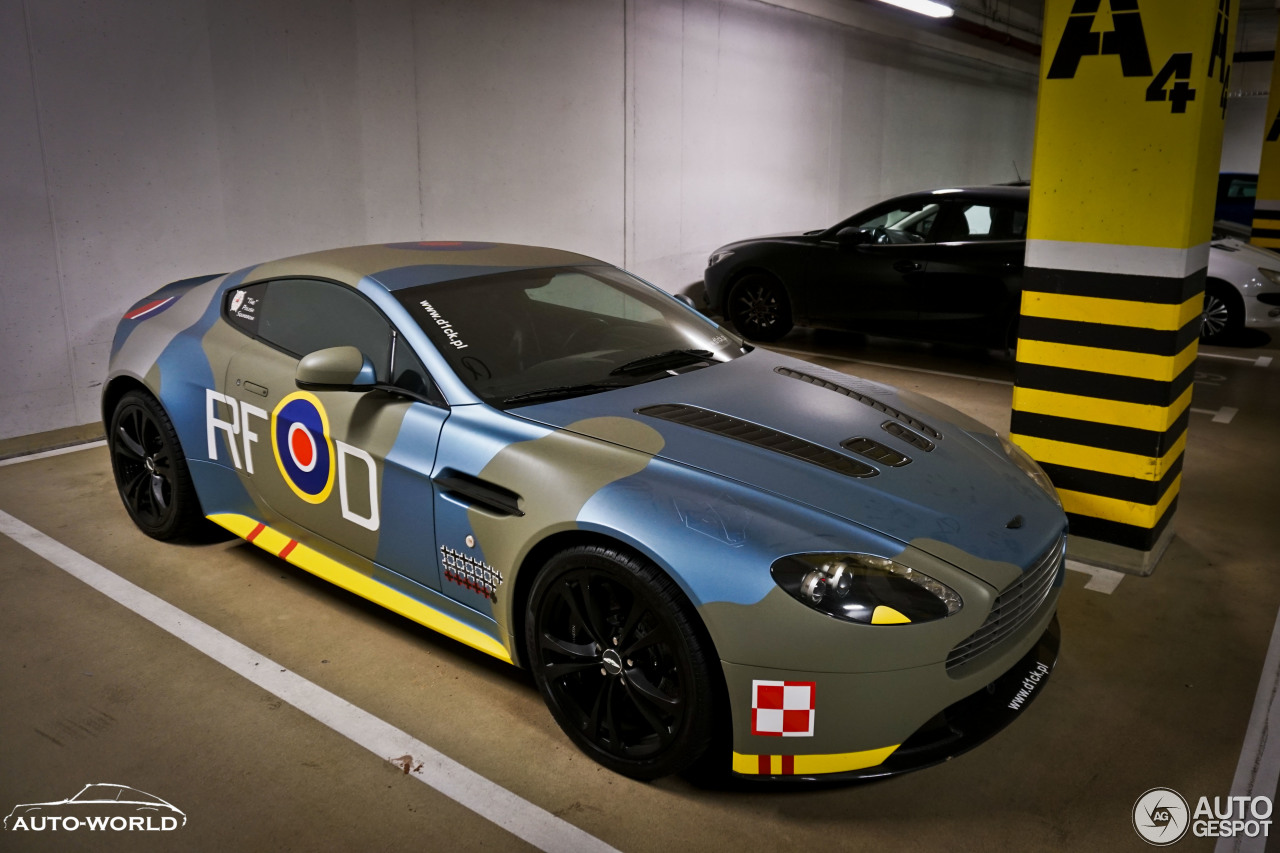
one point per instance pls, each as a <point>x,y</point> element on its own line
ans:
<point>783,708</point>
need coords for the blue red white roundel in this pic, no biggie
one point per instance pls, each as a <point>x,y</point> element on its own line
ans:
<point>302,447</point>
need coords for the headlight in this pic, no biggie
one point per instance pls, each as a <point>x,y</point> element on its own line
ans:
<point>717,257</point>
<point>864,588</point>
<point>1029,467</point>
<point>1272,276</point>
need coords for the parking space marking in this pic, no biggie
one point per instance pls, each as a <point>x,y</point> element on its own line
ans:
<point>1259,765</point>
<point>44,454</point>
<point>804,354</point>
<point>1257,361</point>
<point>491,801</point>
<point>1101,580</point>
<point>1220,416</point>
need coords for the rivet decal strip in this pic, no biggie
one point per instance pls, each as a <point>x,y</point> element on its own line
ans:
<point>466,571</point>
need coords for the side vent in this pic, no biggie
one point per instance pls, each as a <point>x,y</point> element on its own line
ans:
<point>903,417</point>
<point>758,436</point>
<point>875,451</point>
<point>897,430</point>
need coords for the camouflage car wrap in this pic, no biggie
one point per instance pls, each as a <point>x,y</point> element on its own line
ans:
<point>444,511</point>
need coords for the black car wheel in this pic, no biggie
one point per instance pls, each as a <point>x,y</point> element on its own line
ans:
<point>615,649</point>
<point>758,307</point>
<point>150,469</point>
<point>1223,312</point>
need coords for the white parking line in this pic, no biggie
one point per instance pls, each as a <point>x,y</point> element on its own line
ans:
<point>1101,580</point>
<point>804,354</point>
<point>1259,765</point>
<point>487,799</point>
<point>1220,416</point>
<point>1257,361</point>
<point>45,454</point>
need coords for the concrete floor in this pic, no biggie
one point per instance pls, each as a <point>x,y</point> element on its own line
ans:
<point>1154,686</point>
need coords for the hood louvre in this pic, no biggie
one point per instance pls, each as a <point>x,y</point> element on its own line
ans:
<point>759,436</point>
<point>915,424</point>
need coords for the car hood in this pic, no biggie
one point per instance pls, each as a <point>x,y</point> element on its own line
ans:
<point>963,494</point>
<point>1240,251</point>
<point>783,237</point>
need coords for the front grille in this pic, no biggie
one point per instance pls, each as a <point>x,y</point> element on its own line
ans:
<point>762,437</point>
<point>1014,606</point>
<point>914,423</point>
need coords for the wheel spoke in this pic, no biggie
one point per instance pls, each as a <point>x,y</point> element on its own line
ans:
<point>655,636</point>
<point>157,492</point>
<point>642,687</point>
<point>589,652</point>
<point>659,726</point>
<point>129,446</point>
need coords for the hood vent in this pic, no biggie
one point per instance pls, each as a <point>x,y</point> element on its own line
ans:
<point>897,430</point>
<point>762,437</point>
<point>875,451</point>
<point>903,417</point>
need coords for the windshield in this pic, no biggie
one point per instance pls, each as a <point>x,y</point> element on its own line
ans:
<point>527,336</point>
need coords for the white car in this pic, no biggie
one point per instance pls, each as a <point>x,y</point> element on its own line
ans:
<point>1242,290</point>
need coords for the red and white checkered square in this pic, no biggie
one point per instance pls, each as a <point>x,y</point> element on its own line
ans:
<point>783,708</point>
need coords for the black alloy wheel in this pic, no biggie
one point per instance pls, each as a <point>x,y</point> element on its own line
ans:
<point>150,469</point>
<point>758,307</point>
<point>1223,313</point>
<point>617,653</point>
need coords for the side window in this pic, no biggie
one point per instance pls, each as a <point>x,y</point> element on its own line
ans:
<point>584,293</point>
<point>901,224</point>
<point>242,307</point>
<point>301,316</point>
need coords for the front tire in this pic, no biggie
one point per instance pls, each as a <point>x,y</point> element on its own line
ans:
<point>1223,313</point>
<point>759,308</point>
<point>618,656</point>
<point>150,469</point>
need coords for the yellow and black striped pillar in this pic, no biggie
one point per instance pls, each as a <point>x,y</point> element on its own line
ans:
<point>1266,211</point>
<point>1128,138</point>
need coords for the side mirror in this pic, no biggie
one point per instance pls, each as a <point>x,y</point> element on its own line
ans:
<point>336,369</point>
<point>851,237</point>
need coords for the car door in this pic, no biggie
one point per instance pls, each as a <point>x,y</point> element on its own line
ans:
<point>869,283</point>
<point>968,292</point>
<point>349,470</point>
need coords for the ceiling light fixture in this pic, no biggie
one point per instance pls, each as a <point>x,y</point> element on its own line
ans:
<point>923,7</point>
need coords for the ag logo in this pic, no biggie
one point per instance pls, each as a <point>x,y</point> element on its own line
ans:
<point>300,442</point>
<point>1160,816</point>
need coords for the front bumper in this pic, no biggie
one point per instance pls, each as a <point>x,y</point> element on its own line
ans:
<point>956,729</point>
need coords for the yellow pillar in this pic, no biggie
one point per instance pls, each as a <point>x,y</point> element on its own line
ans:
<point>1128,138</point>
<point>1266,211</point>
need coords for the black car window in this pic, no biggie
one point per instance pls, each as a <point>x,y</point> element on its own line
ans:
<point>302,315</point>
<point>910,222</point>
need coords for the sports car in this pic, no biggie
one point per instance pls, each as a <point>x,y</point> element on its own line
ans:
<point>703,551</point>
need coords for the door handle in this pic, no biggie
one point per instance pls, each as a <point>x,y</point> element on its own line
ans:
<point>908,266</point>
<point>252,387</point>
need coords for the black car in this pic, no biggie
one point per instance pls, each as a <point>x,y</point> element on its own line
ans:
<point>943,266</point>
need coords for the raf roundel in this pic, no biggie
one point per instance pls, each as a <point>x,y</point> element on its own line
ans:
<point>302,447</point>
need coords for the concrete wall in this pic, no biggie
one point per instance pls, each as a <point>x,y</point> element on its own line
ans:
<point>156,139</point>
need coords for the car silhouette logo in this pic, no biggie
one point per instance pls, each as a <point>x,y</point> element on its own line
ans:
<point>101,805</point>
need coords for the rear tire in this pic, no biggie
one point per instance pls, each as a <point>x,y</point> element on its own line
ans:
<point>759,308</point>
<point>1223,313</point>
<point>617,653</point>
<point>150,469</point>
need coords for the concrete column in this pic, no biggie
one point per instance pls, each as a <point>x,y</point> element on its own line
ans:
<point>1128,137</point>
<point>1266,211</point>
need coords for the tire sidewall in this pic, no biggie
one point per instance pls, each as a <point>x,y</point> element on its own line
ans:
<point>184,506</point>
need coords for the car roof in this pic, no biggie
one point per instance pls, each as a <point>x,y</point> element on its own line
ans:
<point>993,192</point>
<point>399,265</point>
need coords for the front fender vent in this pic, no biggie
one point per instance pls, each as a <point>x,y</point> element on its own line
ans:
<point>759,436</point>
<point>903,417</point>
